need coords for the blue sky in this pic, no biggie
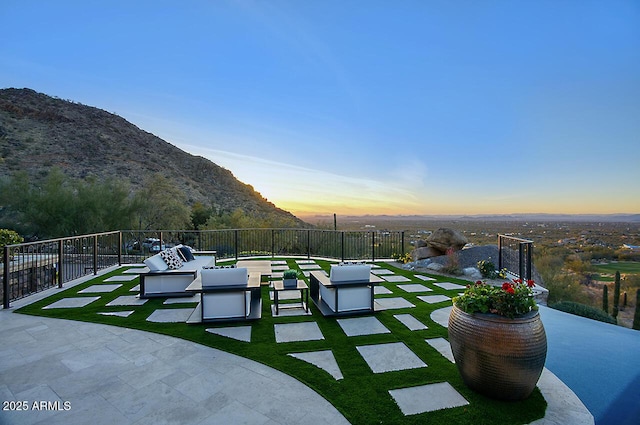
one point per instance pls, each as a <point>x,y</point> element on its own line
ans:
<point>403,107</point>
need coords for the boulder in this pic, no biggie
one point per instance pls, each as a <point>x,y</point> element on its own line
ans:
<point>435,267</point>
<point>420,243</point>
<point>444,238</point>
<point>425,252</point>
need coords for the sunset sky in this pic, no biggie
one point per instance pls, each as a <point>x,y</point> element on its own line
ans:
<point>363,107</point>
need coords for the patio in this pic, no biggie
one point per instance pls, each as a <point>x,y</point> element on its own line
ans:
<point>116,370</point>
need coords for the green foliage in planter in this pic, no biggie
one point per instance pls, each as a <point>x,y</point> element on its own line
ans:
<point>509,300</point>
<point>488,270</point>
<point>290,274</point>
<point>584,311</point>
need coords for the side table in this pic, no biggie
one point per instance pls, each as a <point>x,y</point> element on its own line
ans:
<point>301,285</point>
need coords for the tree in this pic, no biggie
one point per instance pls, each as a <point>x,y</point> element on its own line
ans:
<point>200,214</point>
<point>161,205</point>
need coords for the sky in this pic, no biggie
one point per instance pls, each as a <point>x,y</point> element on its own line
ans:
<point>363,107</point>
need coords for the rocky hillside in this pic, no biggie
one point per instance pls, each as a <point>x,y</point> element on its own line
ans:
<point>38,132</point>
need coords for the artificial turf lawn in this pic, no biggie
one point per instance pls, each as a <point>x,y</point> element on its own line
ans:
<point>361,396</point>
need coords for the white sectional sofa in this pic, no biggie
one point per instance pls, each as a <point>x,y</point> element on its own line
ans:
<point>348,289</point>
<point>166,279</point>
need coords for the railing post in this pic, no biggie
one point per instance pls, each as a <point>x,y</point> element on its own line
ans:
<point>308,243</point>
<point>60,263</point>
<point>373,246</point>
<point>273,242</point>
<point>5,278</point>
<point>95,255</point>
<point>236,243</point>
<point>120,247</point>
<point>521,260</point>
<point>342,246</point>
<point>529,260</point>
<point>402,243</point>
<point>500,252</point>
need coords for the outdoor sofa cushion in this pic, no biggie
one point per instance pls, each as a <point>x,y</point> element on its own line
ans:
<point>225,277</point>
<point>350,273</point>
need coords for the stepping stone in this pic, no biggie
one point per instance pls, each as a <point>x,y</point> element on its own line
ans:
<point>432,299</point>
<point>325,360</point>
<point>391,303</point>
<point>410,322</point>
<point>278,275</point>
<point>290,332</point>
<point>381,290</point>
<point>121,278</point>
<point>137,270</point>
<point>362,326</point>
<point>310,266</point>
<point>396,278</point>
<point>173,315</point>
<point>117,313</point>
<point>135,289</point>
<point>75,302</point>
<point>441,316</point>
<point>415,287</point>
<point>427,398</point>
<point>305,262</point>
<point>443,347</point>
<point>241,333</point>
<point>449,285</point>
<point>279,268</point>
<point>278,263</point>
<point>180,300</point>
<point>389,357</point>
<point>127,300</point>
<point>425,278</point>
<point>100,288</point>
<point>381,271</point>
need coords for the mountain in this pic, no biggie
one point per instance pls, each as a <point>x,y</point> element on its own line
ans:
<point>38,132</point>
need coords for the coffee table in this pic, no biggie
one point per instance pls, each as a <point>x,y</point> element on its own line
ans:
<point>301,285</point>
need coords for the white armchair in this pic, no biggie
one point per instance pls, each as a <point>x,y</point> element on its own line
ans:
<point>349,288</point>
<point>225,293</point>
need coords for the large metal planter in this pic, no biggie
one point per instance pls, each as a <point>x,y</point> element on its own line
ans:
<point>499,357</point>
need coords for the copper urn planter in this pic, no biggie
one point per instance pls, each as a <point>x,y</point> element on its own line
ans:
<point>498,357</point>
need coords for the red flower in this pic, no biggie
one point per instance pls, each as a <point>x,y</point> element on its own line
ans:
<point>510,290</point>
<point>517,281</point>
<point>506,286</point>
<point>531,283</point>
<point>479,282</point>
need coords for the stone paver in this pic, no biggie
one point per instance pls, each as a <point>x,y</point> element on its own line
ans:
<point>181,300</point>
<point>95,289</point>
<point>325,360</point>
<point>362,326</point>
<point>391,303</point>
<point>118,313</point>
<point>389,357</point>
<point>396,278</point>
<point>425,278</point>
<point>449,285</point>
<point>381,290</point>
<point>443,347</point>
<point>291,332</point>
<point>411,322</point>
<point>75,302</point>
<point>170,315</point>
<point>241,333</point>
<point>121,278</point>
<point>127,300</point>
<point>415,287</point>
<point>432,299</point>
<point>427,398</point>
<point>381,272</point>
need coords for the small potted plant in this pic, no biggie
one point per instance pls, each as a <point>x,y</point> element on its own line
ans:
<point>290,278</point>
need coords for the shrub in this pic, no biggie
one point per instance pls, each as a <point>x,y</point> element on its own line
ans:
<point>584,310</point>
<point>488,270</point>
<point>402,258</point>
<point>8,237</point>
<point>452,266</point>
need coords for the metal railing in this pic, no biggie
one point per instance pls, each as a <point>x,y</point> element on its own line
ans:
<point>515,255</point>
<point>33,267</point>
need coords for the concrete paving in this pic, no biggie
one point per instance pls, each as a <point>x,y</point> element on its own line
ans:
<point>110,375</point>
